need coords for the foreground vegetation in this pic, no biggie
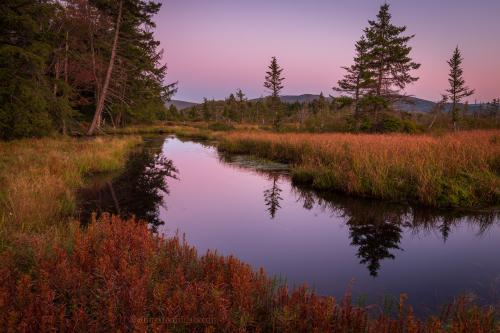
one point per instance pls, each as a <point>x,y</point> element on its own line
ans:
<point>39,177</point>
<point>452,170</point>
<point>117,276</point>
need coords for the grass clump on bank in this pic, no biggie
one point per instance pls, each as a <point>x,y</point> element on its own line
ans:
<point>38,177</point>
<point>117,275</point>
<point>452,170</point>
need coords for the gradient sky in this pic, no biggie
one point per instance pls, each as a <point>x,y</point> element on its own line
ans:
<point>213,47</point>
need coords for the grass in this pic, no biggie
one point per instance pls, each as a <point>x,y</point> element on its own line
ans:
<point>200,132</point>
<point>452,170</point>
<point>38,177</point>
<point>117,276</point>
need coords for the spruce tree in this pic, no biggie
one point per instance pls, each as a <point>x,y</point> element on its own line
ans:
<point>274,83</point>
<point>273,80</point>
<point>26,100</point>
<point>358,77</point>
<point>458,90</point>
<point>241,102</point>
<point>388,55</point>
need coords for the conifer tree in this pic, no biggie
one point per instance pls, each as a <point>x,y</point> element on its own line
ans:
<point>274,83</point>
<point>273,80</point>
<point>494,109</point>
<point>206,110</point>
<point>240,95</point>
<point>358,77</point>
<point>241,102</point>
<point>388,55</point>
<point>458,90</point>
<point>25,92</point>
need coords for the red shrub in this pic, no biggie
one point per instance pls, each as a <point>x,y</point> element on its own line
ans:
<point>117,276</point>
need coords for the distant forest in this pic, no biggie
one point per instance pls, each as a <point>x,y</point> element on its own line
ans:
<point>78,66</point>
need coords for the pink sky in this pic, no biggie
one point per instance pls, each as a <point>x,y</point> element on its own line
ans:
<point>213,47</point>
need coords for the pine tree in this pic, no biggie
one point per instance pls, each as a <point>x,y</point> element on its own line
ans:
<point>458,90</point>
<point>494,109</point>
<point>241,102</point>
<point>358,77</point>
<point>26,99</point>
<point>388,55</point>
<point>134,58</point>
<point>206,110</point>
<point>240,95</point>
<point>274,83</point>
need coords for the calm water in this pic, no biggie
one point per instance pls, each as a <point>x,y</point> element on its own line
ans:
<point>242,207</point>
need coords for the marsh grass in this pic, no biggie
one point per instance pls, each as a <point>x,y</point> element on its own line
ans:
<point>39,177</point>
<point>116,275</point>
<point>451,170</point>
<point>199,132</point>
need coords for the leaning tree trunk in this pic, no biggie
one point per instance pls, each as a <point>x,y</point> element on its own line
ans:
<point>102,96</point>
<point>66,49</point>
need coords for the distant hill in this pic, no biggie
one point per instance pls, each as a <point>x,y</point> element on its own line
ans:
<point>304,98</point>
<point>413,104</point>
<point>180,104</point>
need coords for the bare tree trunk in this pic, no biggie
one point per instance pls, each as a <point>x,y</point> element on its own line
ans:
<point>56,70</point>
<point>65,81</point>
<point>97,81</point>
<point>433,121</point>
<point>102,97</point>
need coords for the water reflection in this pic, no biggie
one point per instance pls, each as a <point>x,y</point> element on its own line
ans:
<point>139,191</point>
<point>272,196</point>
<point>323,239</point>
<point>376,227</point>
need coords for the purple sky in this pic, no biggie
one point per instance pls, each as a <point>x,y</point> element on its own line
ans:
<point>213,47</point>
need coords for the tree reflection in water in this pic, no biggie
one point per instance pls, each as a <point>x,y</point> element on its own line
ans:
<point>376,227</point>
<point>139,191</point>
<point>272,196</point>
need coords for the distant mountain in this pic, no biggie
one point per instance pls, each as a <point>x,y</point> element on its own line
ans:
<point>412,104</point>
<point>304,98</point>
<point>180,104</point>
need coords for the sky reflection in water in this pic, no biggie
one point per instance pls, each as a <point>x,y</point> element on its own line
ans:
<point>327,241</point>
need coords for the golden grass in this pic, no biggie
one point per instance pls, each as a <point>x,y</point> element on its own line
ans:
<point>455,169</point>
<point>38,177</point>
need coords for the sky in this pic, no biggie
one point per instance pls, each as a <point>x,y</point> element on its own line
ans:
<point>213,47</point>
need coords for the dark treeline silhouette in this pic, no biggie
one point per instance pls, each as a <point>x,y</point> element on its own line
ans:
<point>74,65</point>
<point>77,65</point>
<point>371,93</point>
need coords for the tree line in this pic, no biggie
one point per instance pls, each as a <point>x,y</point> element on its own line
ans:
<point>370,90</point>
<point>75,65</point>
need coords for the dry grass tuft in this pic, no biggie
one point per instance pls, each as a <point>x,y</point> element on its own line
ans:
<point>38,177</point>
